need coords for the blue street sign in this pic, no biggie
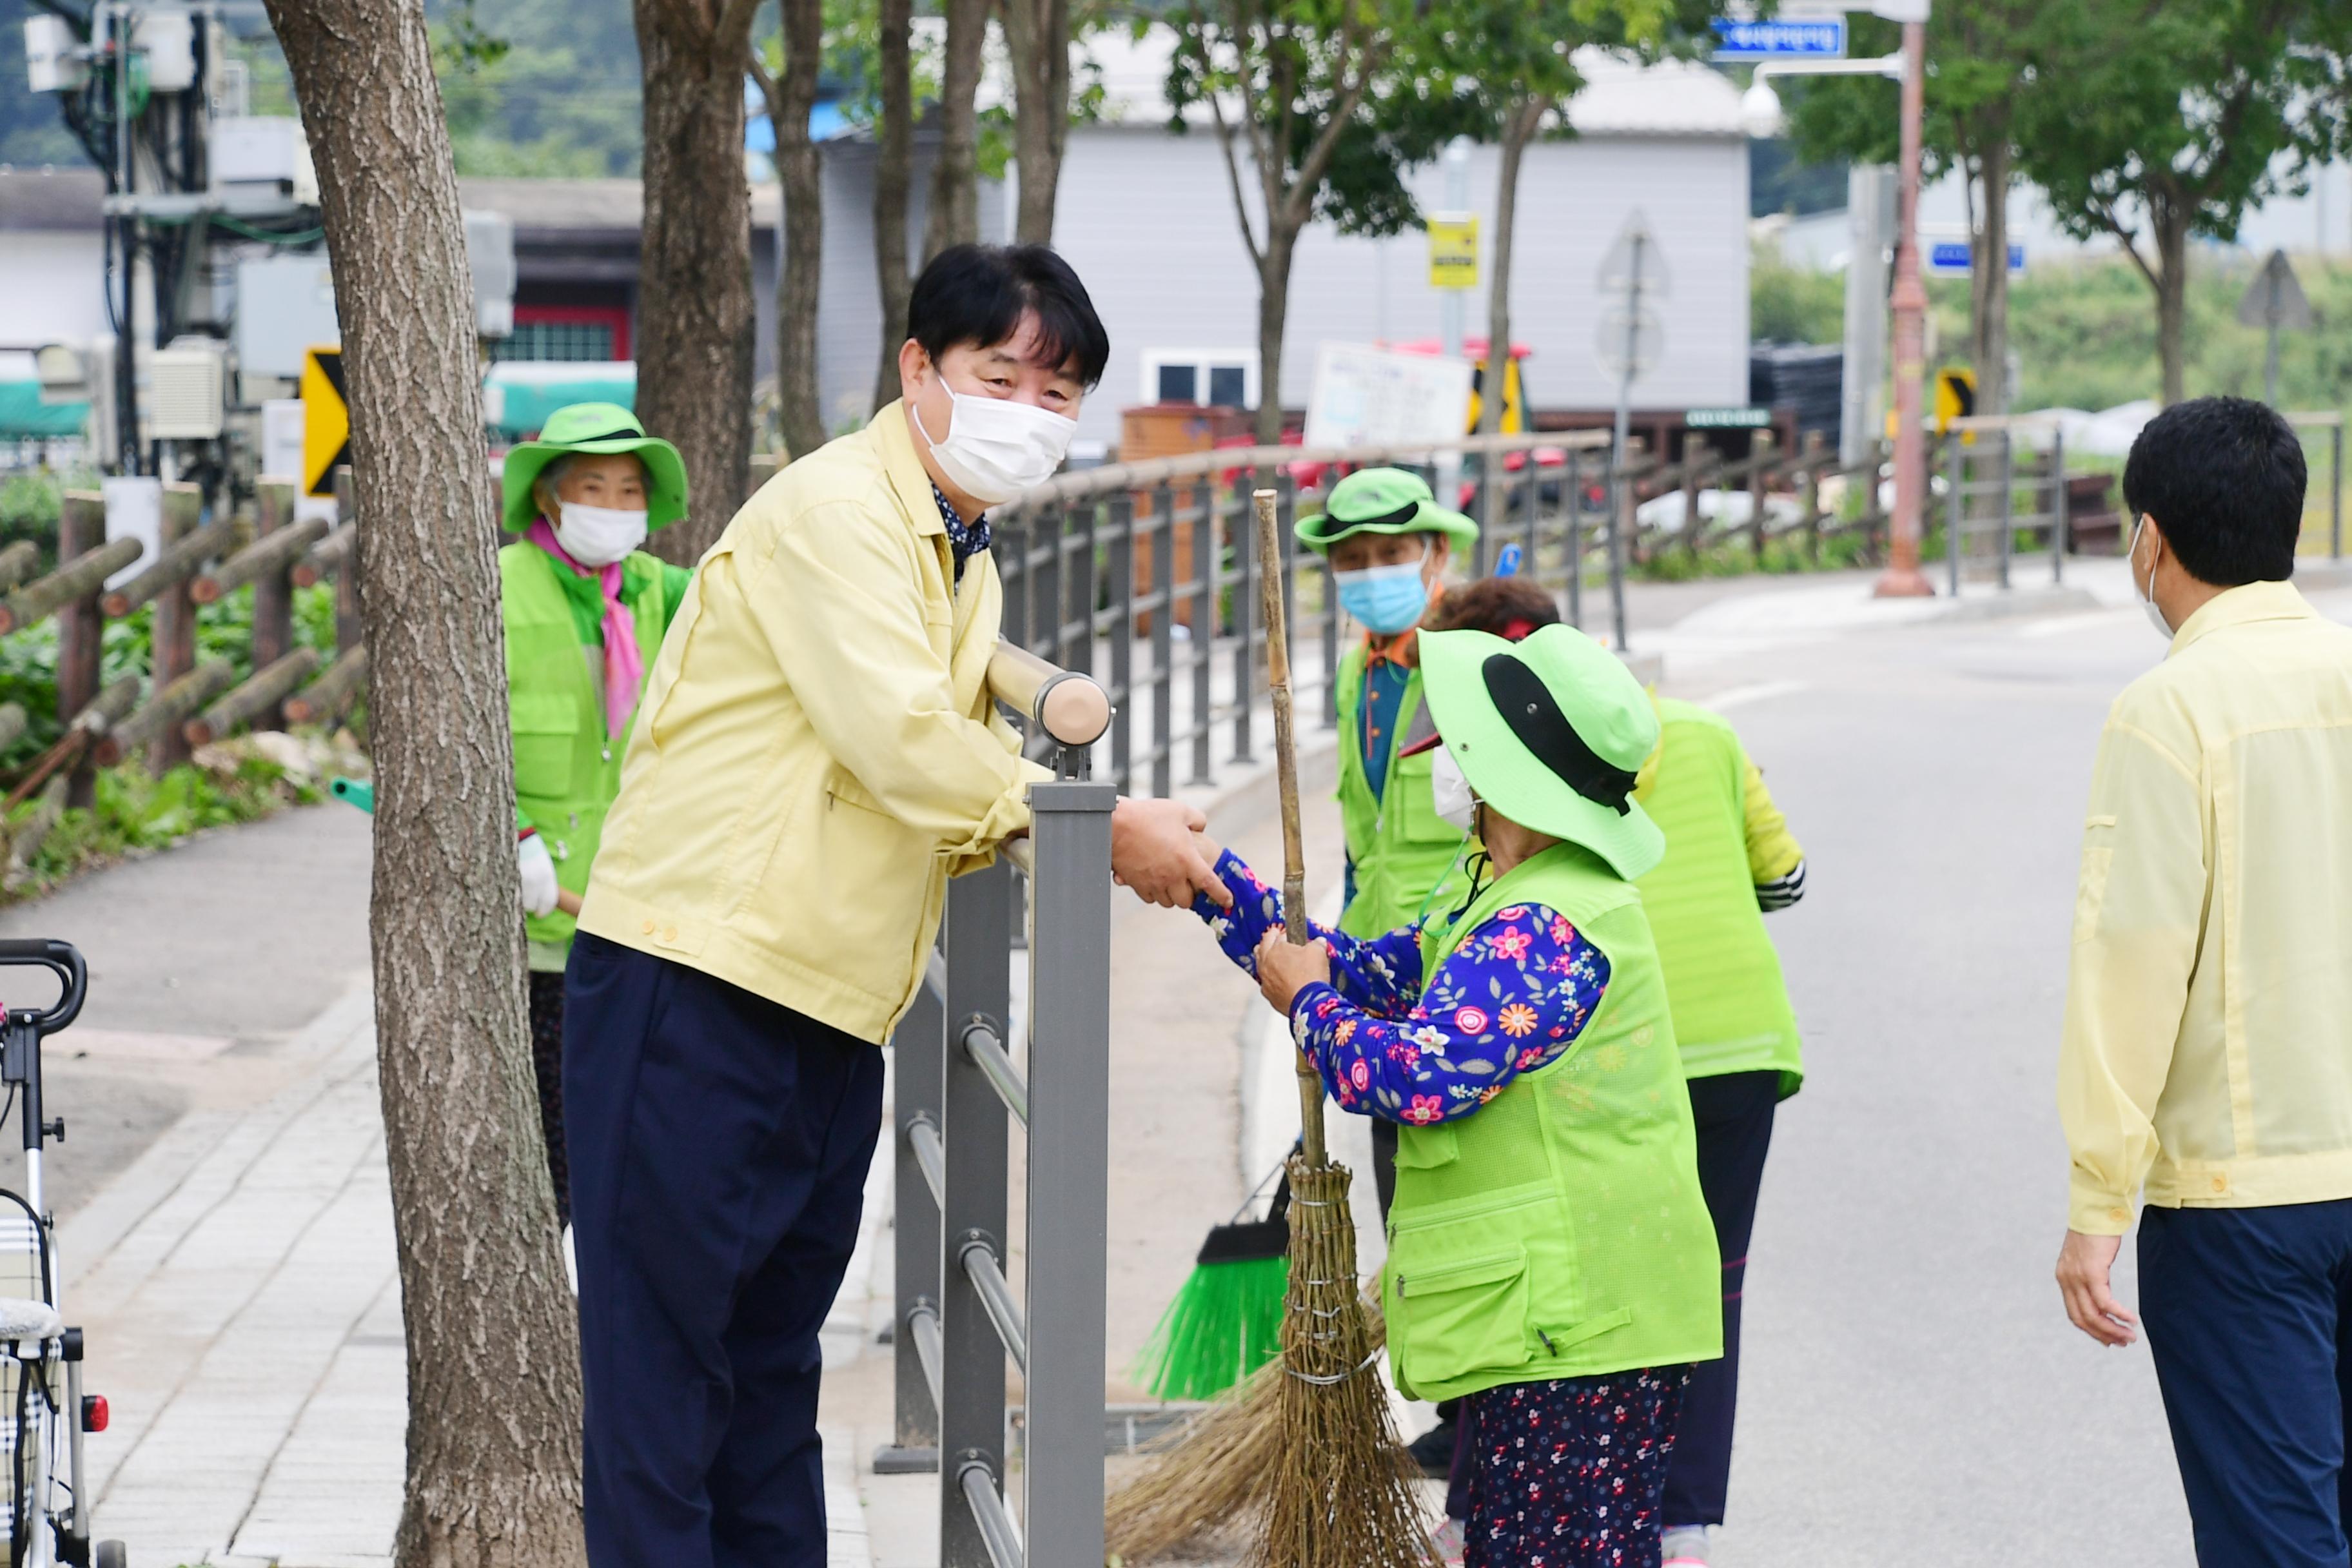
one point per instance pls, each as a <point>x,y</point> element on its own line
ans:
<point>1949,258</point>
<point>1801,38</point>
<point>1507,564</point>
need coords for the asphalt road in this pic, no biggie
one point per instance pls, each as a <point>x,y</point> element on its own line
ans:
<point>1913,1393</point>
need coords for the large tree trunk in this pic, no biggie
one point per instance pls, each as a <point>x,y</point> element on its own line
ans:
<point>1519,128</point>
<point>801,268</point>
<point>1273,311</point>
<point>1037,36</point>
<point>694,317</point>
<point>493,1354</point>
<point>894,163</point>
<point>954,217</point>
<point>1989,286</point>
<point>2171,220</point>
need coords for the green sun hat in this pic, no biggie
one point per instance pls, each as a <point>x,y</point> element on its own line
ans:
<point>1382,501</point>
<point>598,428</point>
<point>1550,732</point>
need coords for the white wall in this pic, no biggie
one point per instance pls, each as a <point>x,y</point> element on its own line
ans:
<point>54,292</point>
<point>1147,219</point>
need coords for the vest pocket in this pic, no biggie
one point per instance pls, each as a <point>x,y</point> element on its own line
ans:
<point>1464,1318</point>
<point>546,731</point>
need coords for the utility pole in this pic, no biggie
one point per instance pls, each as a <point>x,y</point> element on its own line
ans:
<point>1448,467</point>
<point>1902,578</point>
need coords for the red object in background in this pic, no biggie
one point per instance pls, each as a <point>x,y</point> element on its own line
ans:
<point>614,317</point>
<point>94,1413</point>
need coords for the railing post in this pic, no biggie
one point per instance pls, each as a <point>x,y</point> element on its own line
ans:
<point>1208,575</point>
<point>971,1384</point>
<point>2061,524</point>
<point>916,1067</point>
<point>1163,643</point>
<point>1069,1170</point>
<point>1572,494</point>
<point>2008,503</point>
<point>1955,509</point>
<point>1122,638</point>
<point>273,591</point>
<point>1245,569</point>
<point>82,528</point>
<point>2335,491</point>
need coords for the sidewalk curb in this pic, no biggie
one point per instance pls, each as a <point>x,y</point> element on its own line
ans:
<point>2000,603</point>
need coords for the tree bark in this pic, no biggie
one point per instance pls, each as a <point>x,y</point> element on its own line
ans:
<point>1273,312</point>
<point>1520,127</point>
<point>954,217</point>
<point>695,319</point>
<point>894,161</point>
<point>1037,37</point>
<point>1989,323</point>
<point>493,1473</point>
<point>2170,218</point>
<point>792,95</point>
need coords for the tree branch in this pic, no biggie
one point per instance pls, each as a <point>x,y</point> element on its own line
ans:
<point>733,28</point>
<point>1225,142</point>
<point>1317,162</point>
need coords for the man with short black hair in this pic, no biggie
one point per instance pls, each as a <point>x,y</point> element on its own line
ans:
<point>2208,1046</point>
<point>815,755</point>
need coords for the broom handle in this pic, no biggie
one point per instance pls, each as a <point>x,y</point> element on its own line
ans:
<point>1286,765</point>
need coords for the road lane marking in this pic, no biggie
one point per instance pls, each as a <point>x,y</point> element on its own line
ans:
<point>1761,691</point>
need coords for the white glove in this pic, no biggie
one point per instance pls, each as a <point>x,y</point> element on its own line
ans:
<point>538,868</point>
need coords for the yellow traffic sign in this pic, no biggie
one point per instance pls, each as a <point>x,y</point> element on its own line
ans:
<point>1452,251</point>
<point>1956,397</point>
<point>326,420</point>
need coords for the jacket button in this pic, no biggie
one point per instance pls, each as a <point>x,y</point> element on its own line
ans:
<point>2220,1184</point>
<point>670,934</point>
<point>649,928</point>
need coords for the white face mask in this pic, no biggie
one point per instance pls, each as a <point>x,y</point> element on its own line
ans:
<point>995,447</point>
<point>1451,792</point>
<point>598,535</point>
<point>2146,595</point>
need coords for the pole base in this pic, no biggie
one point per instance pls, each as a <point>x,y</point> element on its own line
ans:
<point>1902,583</point>
<point>892,1460</point>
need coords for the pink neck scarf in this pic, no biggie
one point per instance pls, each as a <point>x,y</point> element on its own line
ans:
<point>624,666</point>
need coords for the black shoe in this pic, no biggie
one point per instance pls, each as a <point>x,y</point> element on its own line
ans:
<point>1433,1451</point>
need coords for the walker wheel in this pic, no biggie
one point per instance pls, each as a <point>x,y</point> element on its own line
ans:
<point>110,1554</point>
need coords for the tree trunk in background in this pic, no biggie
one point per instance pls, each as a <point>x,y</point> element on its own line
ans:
<point>1520,127</point>
<point>801,172</point>
<point>954,217</point>
<point>1037,36</point>
<point>694,317</point>
<point>1273,311</point>
<point>894,162</point>
<point>1988,315</point>
<point>493,1471</point>
<point>2169,219</point>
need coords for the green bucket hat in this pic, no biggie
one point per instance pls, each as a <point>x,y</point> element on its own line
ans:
<point>1382,501</point>
<point>597,428</point>
<point>1550,732</point>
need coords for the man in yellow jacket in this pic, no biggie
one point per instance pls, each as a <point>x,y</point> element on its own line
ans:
<point>815,755</point>
<point>2207,1061</point>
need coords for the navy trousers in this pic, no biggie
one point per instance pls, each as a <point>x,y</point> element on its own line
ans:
<point>1734,1114</point>
<point>2249,1315</point>
<point>718,1149</point>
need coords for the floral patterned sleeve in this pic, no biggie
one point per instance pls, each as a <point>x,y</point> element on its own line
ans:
<point>1511,999</point>
<point>1382,974</point>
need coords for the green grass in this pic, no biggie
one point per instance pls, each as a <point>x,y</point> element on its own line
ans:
<point>136,814</point>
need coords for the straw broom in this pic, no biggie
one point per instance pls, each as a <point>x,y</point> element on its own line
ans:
<point>1332,1486</point>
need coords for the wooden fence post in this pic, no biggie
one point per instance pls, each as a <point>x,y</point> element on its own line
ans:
<point>273,592</point>
<point>1758,459</point>
<point>173,642</point>
<point>82,528</point>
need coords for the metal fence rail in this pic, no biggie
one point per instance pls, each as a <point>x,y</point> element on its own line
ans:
<point>957,1092</point>
<point>1981,460</point>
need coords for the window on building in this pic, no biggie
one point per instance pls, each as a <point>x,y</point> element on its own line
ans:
<point>1225,378</point>
<point>555,341</point>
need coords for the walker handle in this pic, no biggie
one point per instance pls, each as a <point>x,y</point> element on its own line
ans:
<point>61,959</point>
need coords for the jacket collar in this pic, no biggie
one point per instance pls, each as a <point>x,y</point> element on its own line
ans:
<point>2281,601</point>
<point>904,465</point>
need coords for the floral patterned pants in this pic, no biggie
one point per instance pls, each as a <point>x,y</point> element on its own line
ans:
<point>1569,1474</point>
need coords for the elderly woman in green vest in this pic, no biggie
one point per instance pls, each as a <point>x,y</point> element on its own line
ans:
<point>1729,861</point>
<point>1551,1260</point>
<point>585,610</point>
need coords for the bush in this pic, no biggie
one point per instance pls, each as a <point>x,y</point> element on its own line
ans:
<point>136,814</point>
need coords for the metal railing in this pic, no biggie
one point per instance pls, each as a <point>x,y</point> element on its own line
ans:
<point>1145,575</point>
<point>1981,462</point>
<point>958,1090</point>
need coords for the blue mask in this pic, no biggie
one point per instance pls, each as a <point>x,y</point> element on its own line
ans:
<point>1384,600</point>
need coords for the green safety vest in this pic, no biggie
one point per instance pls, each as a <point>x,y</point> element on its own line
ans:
<point>1730,1004</point>
<point>1401,848</point>
<point>1558,1230</point>
<point>567,767</point>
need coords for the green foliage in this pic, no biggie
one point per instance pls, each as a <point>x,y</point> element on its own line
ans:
<point>136,814</point>
<point>1792,304</point>
<point>540,88</point>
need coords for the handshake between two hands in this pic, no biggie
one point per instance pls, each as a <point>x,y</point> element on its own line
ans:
<point>1163,850</point>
